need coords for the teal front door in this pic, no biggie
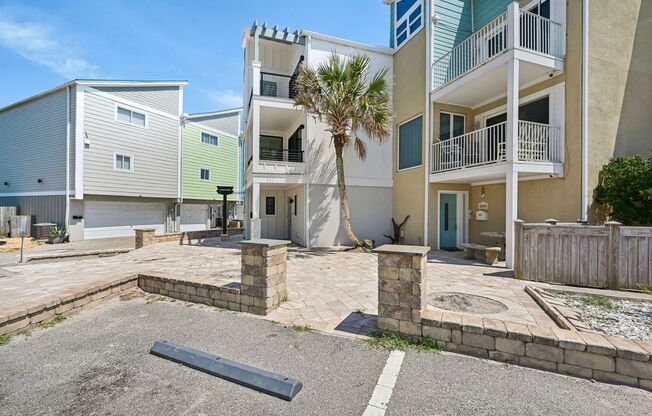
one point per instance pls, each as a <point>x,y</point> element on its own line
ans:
<point>448,221</point>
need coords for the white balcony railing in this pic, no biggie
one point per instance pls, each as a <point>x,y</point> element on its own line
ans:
<point>540,34</point>
<point>482,45</point>
<point>537,34</point>
<point>539,143</point>
<point>536,143</point>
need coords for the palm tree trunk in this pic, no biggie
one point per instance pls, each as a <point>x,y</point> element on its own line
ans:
<point>341,186</point>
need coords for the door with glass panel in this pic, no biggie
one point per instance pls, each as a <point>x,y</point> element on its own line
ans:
<point>451,127</point>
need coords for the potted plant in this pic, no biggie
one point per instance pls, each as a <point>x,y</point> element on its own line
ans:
<point>56,235</point>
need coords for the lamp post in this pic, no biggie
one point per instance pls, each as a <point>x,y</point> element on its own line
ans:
<point>224,191</point>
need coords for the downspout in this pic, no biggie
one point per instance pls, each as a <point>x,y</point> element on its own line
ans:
<point>426,120</point>
<point>584,197</point>
<point>68,121</point>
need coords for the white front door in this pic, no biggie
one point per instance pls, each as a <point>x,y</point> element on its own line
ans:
<point>103,219</point>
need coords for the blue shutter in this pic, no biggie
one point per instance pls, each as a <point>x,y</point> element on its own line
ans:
<point>410,139</point>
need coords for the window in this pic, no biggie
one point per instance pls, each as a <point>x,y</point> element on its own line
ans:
<point>270,205</point>
<point>205,174</point>
<point>296,203</point>
<point>209,139</point>
<point>409,144</point>
<point>446,120</point>
<point>123,162</point>
<point>408,16</point>
<point>131,117</point>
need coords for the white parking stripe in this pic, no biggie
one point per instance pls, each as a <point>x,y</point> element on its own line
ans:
<point>383,391</point>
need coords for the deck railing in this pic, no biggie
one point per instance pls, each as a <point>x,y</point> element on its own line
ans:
<point>540,34</point>
<point>536,143</point>
<point>539,142</point>
<point>483,44</point>
<point>281,155</point>
<point>537,33</point>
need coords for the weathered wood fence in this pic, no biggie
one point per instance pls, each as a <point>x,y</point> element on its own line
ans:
<point>612,256</point>
<point>5,214</point>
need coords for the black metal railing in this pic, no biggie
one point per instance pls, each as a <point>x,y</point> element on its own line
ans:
<point>281,155</point>
<point>277,85</point>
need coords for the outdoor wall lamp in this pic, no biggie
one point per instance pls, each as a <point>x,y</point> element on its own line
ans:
<point>39,180</point>
<point>482,194</point>
<point>6,183</point>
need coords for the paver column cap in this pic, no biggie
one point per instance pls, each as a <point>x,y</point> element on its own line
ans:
<point>402,250</point>
<point>264,242</point>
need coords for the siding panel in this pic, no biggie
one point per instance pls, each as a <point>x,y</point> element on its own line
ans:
<point>226,123</point>
<point>33,145</point>
<point>222,160</point>
<point>162,98</point>
<point>154,149</point>
<point>51,208</point>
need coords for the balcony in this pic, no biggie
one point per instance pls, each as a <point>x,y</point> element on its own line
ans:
<point>281,155</point>
<point>540,151</point>
<point>475,70</point>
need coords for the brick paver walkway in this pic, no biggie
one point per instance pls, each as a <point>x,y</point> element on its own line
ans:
<point>327,290</point>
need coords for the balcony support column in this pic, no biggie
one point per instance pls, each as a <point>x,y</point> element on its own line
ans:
<point>511,133</point>
<point>255,133</point>
<point>511,214</point>
<point>255,212</point>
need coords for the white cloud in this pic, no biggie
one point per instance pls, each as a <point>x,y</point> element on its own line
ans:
<point>225,98</point>
<point>39,44</point>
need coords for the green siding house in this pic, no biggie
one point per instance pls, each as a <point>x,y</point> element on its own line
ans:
<point>211,157</point>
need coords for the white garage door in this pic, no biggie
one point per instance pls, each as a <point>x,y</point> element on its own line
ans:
<point>193,217</point>
<point>104,219</point>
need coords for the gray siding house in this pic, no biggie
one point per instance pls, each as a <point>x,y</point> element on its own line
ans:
<point>119,141</point>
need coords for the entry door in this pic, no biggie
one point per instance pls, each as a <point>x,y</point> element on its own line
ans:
<point>448,221</point>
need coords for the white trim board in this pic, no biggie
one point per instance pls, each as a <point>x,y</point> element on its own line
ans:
<point>41,193</point>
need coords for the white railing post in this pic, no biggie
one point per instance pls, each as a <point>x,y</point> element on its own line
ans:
<point>513,26</point>
<point>255,77</point>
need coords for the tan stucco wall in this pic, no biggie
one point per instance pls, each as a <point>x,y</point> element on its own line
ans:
<point>538,199</point>
<point>620,82</point>
<point>409,102</point>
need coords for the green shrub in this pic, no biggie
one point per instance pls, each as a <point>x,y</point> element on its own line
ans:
<point>626,187</point>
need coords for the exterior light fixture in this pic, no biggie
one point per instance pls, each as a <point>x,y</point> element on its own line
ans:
<point>6,183</point>
<point>39,180</point>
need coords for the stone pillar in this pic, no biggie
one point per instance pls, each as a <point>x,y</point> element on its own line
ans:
<point>264,275</point>
<point>402,287</point>
<point>144,237</point>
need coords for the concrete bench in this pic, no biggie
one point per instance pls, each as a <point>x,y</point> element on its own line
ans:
<point>485,253</point>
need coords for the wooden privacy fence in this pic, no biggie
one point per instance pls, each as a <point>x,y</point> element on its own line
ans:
<point>612,256</point>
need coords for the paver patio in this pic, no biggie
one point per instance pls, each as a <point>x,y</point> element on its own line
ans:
<point>328,290</point>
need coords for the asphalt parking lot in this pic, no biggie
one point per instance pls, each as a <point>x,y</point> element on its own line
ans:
<point>98,362</point>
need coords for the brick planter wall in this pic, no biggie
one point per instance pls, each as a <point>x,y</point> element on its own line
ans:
<point>402,295</point>
<point>263,285</point>
<point>146,236</point>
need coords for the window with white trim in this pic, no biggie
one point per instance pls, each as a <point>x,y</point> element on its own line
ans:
<point>205,174</point>
<point>210,139</point>
<point>123,162</point>
<point>409,143</point>
<point>131,117</point>
<point>270,205</point>
<point>408,19</point>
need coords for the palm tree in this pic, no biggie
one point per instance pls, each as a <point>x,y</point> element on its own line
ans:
<point>341,93</point>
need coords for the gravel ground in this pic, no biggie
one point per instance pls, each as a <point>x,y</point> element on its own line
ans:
<point>623,318</point>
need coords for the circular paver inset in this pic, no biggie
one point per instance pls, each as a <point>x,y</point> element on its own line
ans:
<point>464,302</point>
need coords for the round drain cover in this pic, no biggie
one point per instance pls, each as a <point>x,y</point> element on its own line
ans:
<point>464,302</point>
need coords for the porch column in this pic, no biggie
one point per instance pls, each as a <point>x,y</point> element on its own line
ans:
<point>511,129</point>
<point>255,133</point>
<point>511,214</point>
<point>255,212</point>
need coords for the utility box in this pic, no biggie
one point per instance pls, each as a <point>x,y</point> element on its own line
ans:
<point>481,215</point>
<point>42,230</point>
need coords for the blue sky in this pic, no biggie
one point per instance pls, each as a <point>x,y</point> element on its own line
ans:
<point>46,43</point>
